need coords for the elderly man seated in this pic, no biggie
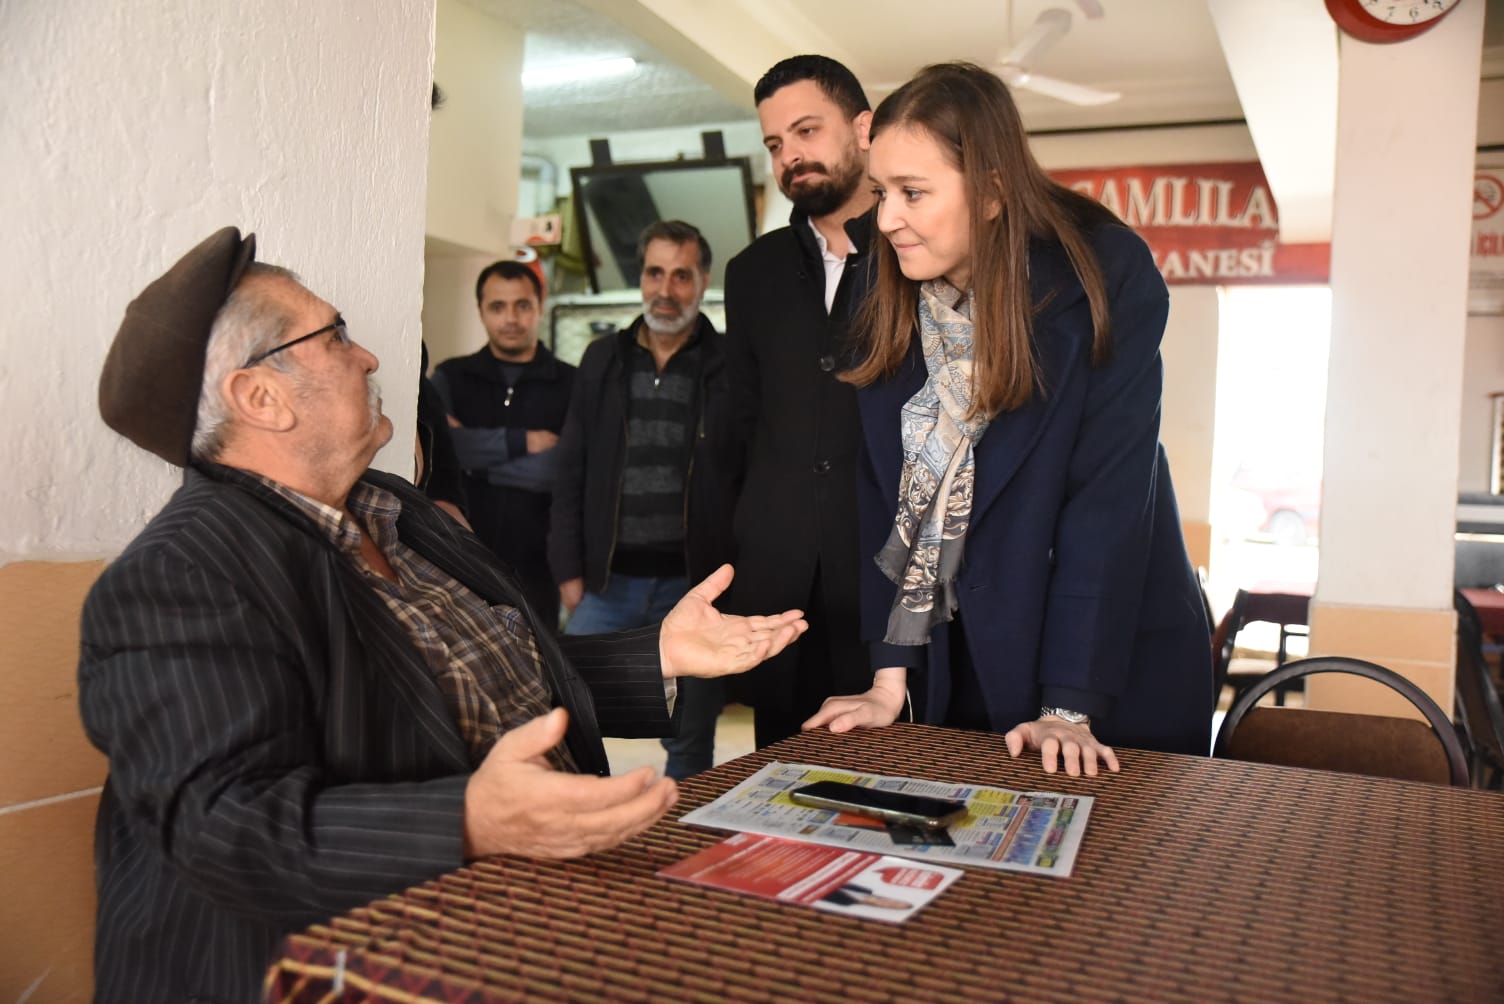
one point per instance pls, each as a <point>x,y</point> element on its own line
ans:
<point>314,687</point>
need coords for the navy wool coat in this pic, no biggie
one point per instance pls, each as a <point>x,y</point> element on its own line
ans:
<point>1075,589</point>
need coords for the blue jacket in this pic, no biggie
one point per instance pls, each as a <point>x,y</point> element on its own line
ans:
<point>1075,589</point>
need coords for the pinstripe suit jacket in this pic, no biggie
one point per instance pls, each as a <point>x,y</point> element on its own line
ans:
<point>279,751</point>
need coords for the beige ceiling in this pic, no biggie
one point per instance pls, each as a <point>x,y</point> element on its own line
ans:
<point>1161,54</point>
<point>701,57</point>
<point>1269,63</point>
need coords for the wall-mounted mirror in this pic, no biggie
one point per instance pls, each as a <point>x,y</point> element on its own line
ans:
<point>615,202</point>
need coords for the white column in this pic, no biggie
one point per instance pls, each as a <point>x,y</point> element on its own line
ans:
<point>1406,133</point>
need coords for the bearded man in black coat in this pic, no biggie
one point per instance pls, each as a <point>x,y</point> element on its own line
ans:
<point>789,298</point>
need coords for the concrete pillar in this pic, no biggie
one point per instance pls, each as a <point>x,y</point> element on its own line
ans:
<point>1406,136</point>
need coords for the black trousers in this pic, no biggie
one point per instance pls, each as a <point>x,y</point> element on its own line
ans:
<point>828,659</point>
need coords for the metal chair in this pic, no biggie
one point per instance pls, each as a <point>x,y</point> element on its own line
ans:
<point>1480,714</point>
<point>1224,640</point>
<point>1288,611</point>
<point>1376,745</point>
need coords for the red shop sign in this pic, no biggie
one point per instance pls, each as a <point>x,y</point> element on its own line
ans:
<point>1207,224</point>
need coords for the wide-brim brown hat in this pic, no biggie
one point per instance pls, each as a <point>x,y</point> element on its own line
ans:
<point>149,388</point>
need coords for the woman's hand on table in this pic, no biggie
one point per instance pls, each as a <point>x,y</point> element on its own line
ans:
<point>877,707</point>
<point>1057,739</point>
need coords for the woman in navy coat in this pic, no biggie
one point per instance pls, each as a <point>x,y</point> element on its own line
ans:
<point>1028,571</point>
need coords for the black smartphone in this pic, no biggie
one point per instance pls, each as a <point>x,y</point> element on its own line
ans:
<point>910,810</point>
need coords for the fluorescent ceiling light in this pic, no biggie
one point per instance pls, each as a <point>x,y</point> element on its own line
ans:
<point>564,73</point>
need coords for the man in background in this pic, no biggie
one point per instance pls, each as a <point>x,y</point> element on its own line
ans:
<point>642,504</point>
<point>506,405</point>
<point>788,299</point>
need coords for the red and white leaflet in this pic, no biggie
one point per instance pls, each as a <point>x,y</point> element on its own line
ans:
<point>854,883</point>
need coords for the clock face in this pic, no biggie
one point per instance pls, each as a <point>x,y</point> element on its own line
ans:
<point>1387,20</point>
<point>1402,12</point>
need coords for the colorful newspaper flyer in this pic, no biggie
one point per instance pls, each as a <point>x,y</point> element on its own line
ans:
<point>1026,831</point>
<point>853,883</point>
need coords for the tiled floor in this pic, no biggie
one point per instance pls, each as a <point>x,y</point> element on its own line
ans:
<point>733,737</point>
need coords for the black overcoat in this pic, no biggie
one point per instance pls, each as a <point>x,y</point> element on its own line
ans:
<point>279,752</point>
<point>797,429</point>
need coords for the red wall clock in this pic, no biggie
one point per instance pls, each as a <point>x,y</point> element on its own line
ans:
<point>1387,20</point>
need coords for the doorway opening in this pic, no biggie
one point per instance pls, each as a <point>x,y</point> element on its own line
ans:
<point>1270,417</point>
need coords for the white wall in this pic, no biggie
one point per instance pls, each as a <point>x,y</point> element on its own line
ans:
<point>451,323</point>
<point>133,131</point>
<point>474,169</point>
<point>1483,359</point>
<point>1127,148</point>
<point>1482,375</point>
<point>1189,408</point>
<point>1491,112</point>
<point>474,164</point>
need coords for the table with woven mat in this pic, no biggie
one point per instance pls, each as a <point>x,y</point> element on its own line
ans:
<point>1350,887</point>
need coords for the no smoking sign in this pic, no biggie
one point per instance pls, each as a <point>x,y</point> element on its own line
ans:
<point>1488,195</point>
<point>1486,265</point>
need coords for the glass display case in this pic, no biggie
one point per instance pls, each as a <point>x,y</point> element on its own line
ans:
<point>576,319</point>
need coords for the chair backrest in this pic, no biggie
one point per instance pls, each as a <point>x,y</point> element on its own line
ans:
<point>1206,600</point>
<point>1376,745</point>
<point>1277,608</point>
<point>1224,640</point>
<point>1481,712</point>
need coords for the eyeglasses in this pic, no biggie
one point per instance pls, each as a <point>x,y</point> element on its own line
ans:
<point>341,335</point>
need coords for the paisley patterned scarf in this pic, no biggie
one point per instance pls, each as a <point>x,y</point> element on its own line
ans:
<point>923,553</point>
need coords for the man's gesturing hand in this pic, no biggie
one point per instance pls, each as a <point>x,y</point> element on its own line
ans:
<point>516,804</point>
<point>699,640</point>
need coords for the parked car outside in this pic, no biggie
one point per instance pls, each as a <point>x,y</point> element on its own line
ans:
<point>1291,501</point>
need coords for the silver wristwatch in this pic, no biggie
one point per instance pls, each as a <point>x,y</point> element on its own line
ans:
<point>1065,715</point>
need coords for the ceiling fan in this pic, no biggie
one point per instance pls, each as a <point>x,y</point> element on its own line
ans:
<point>1016,67</point>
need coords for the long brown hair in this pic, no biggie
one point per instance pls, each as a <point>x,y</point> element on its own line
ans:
<point>969,113</point>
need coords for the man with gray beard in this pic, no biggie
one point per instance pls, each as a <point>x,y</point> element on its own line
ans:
<point>642,503</point>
